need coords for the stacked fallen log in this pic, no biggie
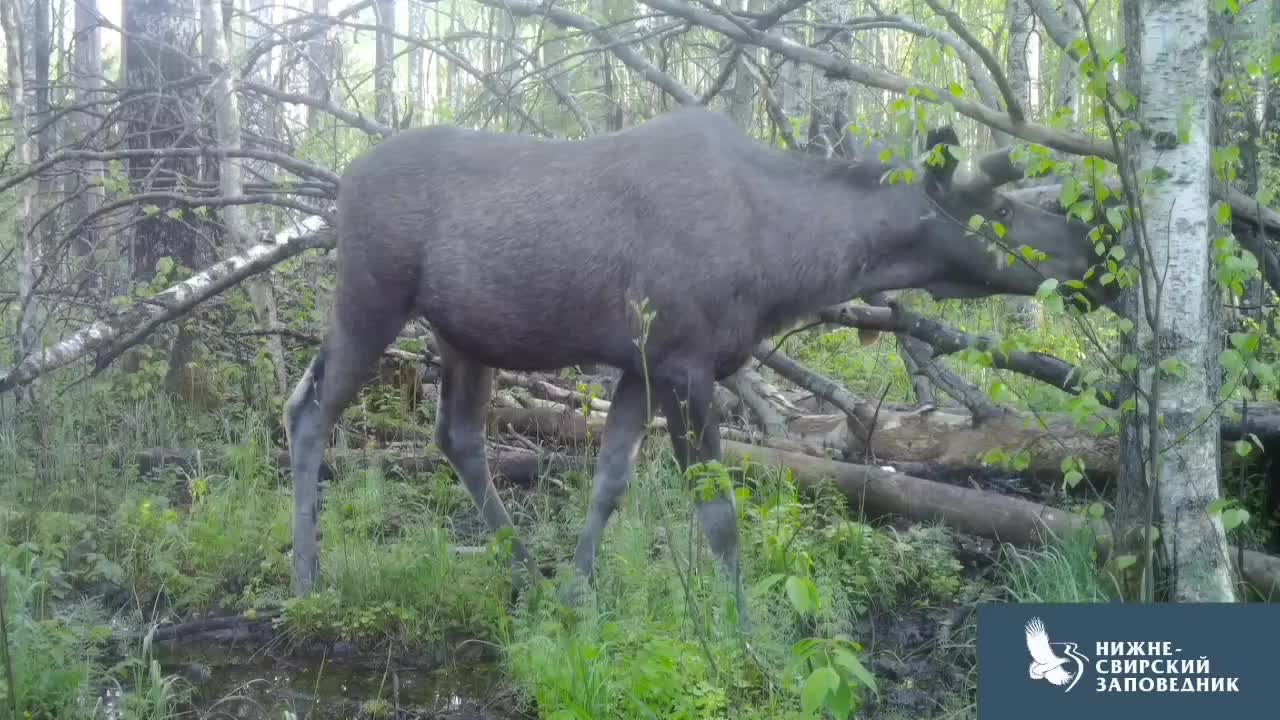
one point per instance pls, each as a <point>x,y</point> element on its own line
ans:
<point>875,492</point>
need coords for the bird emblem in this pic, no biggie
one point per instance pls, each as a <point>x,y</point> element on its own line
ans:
<point>1045,663</point>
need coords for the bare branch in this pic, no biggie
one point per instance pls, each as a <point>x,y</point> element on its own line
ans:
<point>628,56</point>
<point>839,68</point>
<point>297,167</point>
<point>993,66</point>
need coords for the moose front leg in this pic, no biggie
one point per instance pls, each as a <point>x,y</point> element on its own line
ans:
<point>695,437</point>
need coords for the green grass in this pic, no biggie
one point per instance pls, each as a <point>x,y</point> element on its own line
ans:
<point>654,639</point>
<point>1062,573</point>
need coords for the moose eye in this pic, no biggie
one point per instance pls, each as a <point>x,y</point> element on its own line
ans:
<point>1003,213</point>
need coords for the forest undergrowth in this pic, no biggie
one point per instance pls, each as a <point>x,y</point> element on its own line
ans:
<point>97,547</point>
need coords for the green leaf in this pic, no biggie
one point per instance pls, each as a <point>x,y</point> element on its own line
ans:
<point>164,265</point>
<point>1072,479</point>
<point>1022,460</point>
<point>1243,448</point>
<point>766,584</point>
<point>999,229</point>
<point>1234,518</point>
<point>803,595</point>
<point>1231,360</point>
<point>1047,288</point>
<point>1115,216</point>
<point>854,667</point>
<point>1273,65</point>
<point>1125,561</point>
<point>1217,506</point>
<point>822,681</point>
<point>1222,213</point>
<point>955,89</point>
<point>975,222</point>
<point>840,702</point>
<point>1128,363</point>
<point>1070,191</point>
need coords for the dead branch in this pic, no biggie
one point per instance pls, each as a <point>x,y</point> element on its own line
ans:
<point>957,387</point>
<point>1013,107</point>
<point>624,52</point>
<point>293,165</point>
<point>837,67</point>
<point>354,119</point>
<point>111,337</point>
<point>821,386</point>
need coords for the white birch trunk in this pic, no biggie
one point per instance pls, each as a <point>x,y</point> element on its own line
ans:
<point>1066,93</point>
<point>1172,76</point>
<point>230,180</point>
<point>1026,312</point>
<point>15,42</point>
<point>384,66</point>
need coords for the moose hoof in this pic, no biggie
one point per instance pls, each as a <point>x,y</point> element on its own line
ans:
<point>574,591</point>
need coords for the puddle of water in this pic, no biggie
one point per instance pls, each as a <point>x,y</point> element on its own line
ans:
<point>253,682</point>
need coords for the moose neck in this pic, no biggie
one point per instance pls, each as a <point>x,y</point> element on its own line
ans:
<point>835,231</point>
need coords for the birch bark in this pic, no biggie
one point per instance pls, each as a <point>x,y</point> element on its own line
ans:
<point>1171,72</point>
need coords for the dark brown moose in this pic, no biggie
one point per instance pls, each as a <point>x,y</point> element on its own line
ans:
<point>531,254</point>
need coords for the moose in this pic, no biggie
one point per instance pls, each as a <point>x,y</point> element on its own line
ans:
<point>667,250</point>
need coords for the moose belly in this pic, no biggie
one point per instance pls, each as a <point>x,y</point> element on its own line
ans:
<point>518,340</point>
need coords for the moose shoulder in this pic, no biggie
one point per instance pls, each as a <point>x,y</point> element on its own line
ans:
<point>531,254</point>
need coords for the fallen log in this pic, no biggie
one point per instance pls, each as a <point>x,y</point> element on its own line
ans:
<point>517,466</point>
<point>1263,418</point>
<point>874,492</point>
<point>937,443</point>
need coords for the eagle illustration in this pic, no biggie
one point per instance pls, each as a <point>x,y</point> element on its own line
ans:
<point>1046,664</point>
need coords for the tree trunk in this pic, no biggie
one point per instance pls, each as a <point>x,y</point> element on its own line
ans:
<point>87,80</point>
<point>1026,312</point>
<point>1066,96</point>
<point>320,69</point>
<point>158,46</point>
<point>417,62</point>
<point>384,66</point>
<point>23,151</point>
<point>231,183</point>
<point>1171,71</point>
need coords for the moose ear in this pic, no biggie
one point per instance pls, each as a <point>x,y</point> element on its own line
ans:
<point>941,175</point>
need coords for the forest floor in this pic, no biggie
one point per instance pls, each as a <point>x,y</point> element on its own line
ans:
<point>100,550</point>
<point>140,589</point>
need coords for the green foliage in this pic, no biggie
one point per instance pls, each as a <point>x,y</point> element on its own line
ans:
<point>1062,573</point>
<point>53,657</point>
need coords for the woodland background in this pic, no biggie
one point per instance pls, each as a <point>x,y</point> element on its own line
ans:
<point>168,171</point>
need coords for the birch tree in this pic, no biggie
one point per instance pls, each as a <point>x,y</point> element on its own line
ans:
<point>384,66</point>
<point>1026,311</point>
<point>15,42</point>
<point>1170,71</point>
<point>87,80</point>
<point>230,176</point>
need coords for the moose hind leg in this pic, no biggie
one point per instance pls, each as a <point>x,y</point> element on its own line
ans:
<point>695,437</point>
<point>328,385</point>
<point>623,433</point>
<point>465,389</point>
